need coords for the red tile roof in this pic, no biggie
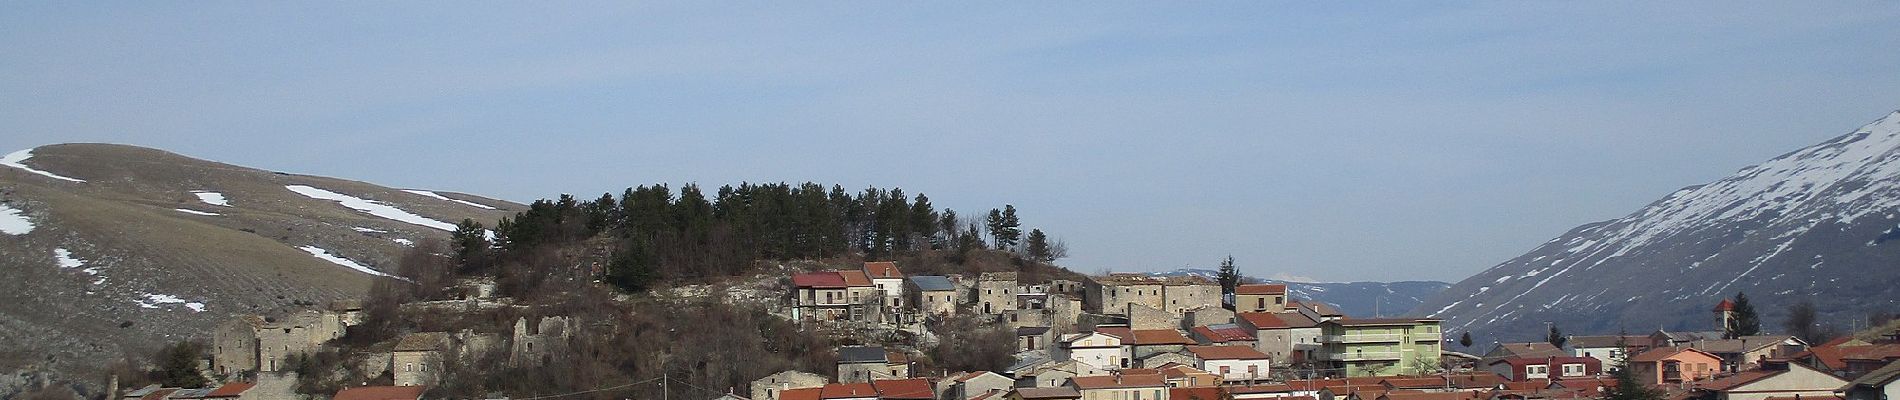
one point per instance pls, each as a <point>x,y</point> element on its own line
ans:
<point>882,269</point>
<point>1725,305</point>
<point>855,278</point>
<point>1119,332</point>
<point>159,394</point>
<point>1523,361</point>
<point>821,280</point>
<point>801,394</point>
<point>847,391</point>
<point>1223,334</point>
<point>1226,353</point>
<point>380,393</point>
<point>1738,379</point>
<point>1158,337</point>
<point>1267,289</point>
<point>1198,393</point>
<point>918,388</point>
<point>233,389</point>
<point>1261,320</point>
<point>1118,381</point>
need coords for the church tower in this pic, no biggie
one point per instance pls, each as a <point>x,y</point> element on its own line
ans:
<point>1724,315</point>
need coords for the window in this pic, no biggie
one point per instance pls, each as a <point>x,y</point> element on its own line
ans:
<point>1279,300</point>
<point>1536,371</point>
<point>408,367</point>
<point>1260,303</point>
<point>1224,370</point>
<point>1253,370</point>
<point>1573,370</point>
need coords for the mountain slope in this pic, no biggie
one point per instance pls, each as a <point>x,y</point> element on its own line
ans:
<point>110,249</point>
<point>1358,299</point>
<point>1815,224</point>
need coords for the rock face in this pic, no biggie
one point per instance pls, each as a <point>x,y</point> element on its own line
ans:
<point>109,250</point>
<point>1357,299</point>
<point>1818,224</point>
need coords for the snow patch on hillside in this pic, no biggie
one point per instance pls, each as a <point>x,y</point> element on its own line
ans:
<point>212,198</point>
<point>18,158</point>
<point>66,260</point>
<point>148,300</point>
<point>13,221</point>
<point>371,207</point>
<point>439,196</point>
<point>333,259</point>
<point>196,212</point>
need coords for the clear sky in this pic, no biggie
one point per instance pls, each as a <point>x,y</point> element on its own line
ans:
<point>1362,141</point>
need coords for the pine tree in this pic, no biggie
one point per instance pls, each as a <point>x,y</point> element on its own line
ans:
<point>1037,247</point>
<point>1556,337</point>
<point>1464,340</point>
<point>1746,322</point>
<point>1229,276</point>
<point>177,365</point>
<point>1626,387</point>
<point>470,244</point>
<point>995,224</point>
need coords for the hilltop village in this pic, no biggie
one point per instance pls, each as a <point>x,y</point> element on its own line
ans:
<point>1109,337</point>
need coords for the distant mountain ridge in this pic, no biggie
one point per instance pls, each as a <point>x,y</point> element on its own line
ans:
<point>1815,224</point>
<point>1358,299</point>
<point>113,249</point>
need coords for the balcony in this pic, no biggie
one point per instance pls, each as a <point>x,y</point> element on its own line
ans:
<point>1363,338</point>
<point>1364,356</point>
<point>1427,337</point>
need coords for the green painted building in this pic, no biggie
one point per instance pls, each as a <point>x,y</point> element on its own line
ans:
<point>1381,347</point>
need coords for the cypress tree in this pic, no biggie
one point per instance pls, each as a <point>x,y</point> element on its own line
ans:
<point>1746,322</point>
<point>1037,247</point>
<point>1556,337</point>
<point>1229,276</point>
<point>1465,339</point>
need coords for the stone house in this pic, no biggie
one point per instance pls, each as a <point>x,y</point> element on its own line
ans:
<point>835,295</point>
<point>1145,317</point>
<point>859,364</point>
<point>769,387</point>
<point>1149,342</point>
<point>1260,298</point>
<point>996,292</point>
<point>1207,315</point>
<point>1287,337</point>
<point>417,358</point>
<point>904,389</point>
<point>1056,373</point>
<point>1031,338</point>
<point>1173,294</point>
<point>1043,393</point>
<point>970,385</point>
<point>934,295</point>
<point>1160,360</point>
<point>539,343</point>
<point>259,343</point>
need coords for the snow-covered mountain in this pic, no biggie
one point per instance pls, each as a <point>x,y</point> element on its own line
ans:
<point>1817,224</point>
<point>110,250</point>
<point>1358,299</point>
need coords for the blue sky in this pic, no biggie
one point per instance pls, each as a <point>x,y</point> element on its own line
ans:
<point>1363,141</point>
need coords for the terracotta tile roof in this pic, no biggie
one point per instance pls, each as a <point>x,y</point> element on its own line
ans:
<point>1195,393</point>
<point>1478,380</point>
<point>987,395</point>
<point>802,394</point>
<point>847,390</point>
<point>1877,377</point>
<point>1118,381</point>
<point>882,269</point>
<point>896,357</point>
<point>1223,333</point>
<point>820,280</point>
<point>233,389</point>
<point>380,393</point>
<point>1737,380</point>
<point>1532,349</point>
<point>1414,383</point>
<point>1119,332</point>
<point>918,388</point>
<point>1261,320</point>
<point>1661,353</point>
<point>1262,289</point>
<point>1523,361</point>
<point>1158,337</point>
<point>1411,395</point>
<point>1605,341</point>
<point>855,278</point>
<point>1725,305</point>
<point>158,394</point>
<point>1381,321</point>
<point>1266,388</point>
<point>1179,371</point>
<point>1226,353</point>
<point>1059,392</point>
